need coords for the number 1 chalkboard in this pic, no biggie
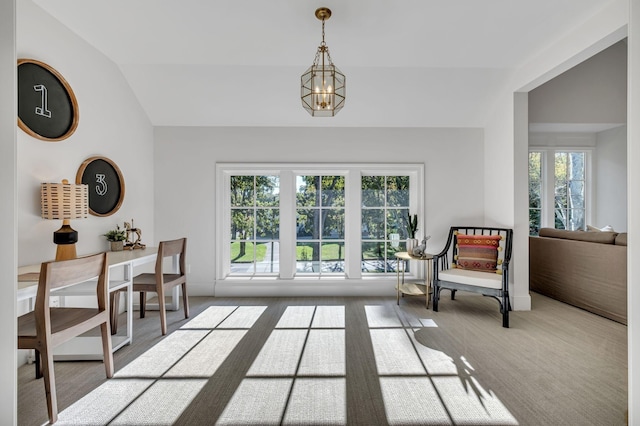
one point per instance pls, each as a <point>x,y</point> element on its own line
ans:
<point>106,185</point>
<point>47,107</point>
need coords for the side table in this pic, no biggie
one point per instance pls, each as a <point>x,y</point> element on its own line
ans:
<point>414,288</point>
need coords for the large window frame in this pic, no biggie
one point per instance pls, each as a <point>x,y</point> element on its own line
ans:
<point>287,173</point>
<point>547,203</point>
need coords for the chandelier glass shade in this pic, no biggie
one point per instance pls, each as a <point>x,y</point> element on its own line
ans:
<point>323,85</point>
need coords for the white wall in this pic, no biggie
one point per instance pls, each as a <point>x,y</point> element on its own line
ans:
<point>185,160</point>
<point>633,180</point>
<point>112,124</point>
<point>610,167</point>
<point>594,91</point>
<point>8,262</point>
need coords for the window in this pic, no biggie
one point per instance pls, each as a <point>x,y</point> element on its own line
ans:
<point>385,212</point>
<point>314,220</point>
<point>569,194</point>
<point>320,224</point>
<point>558,189</point>
<point>255,223</point>
<point>535,192</point>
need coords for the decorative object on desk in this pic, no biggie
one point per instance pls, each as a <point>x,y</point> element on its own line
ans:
<point>132,244</point>
<point>106,185</point>
<point>323,85</point>
<point>64,201</point>
<point>116,238</point>
<point>47,107</point>
<point>421,250</point>
<point>412,227</point>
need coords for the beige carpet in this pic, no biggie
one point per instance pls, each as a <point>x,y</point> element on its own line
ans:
<point>339,361</point>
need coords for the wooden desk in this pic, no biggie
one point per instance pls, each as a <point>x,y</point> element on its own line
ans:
<point>89,348</point>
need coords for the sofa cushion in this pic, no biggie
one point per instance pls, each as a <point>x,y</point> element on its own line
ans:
<point>478,252</point>
<point>592,237</point>
<point>475,278</point>
<point>621,239</point>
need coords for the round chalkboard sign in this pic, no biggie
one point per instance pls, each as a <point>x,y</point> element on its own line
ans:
<point>47,107</point>
<point>106,185</point>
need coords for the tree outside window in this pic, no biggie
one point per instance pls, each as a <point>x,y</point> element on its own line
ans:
<point>320,224</point>
<point>557,194</point>
<point>385,209</point>
<point>255,224</point>
<point>570,190</point>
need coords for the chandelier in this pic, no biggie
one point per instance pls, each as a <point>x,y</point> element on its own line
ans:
<point>323,84</point>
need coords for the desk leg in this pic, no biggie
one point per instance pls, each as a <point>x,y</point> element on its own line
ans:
<point>128,276</point>
<point>398,282</point>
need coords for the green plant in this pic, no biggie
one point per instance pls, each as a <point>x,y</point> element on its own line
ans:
<point>116,234</point>
<point>412,225</point>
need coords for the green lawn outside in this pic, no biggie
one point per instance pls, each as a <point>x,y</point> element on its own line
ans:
<point>330,252</point>
<point>261,250</point>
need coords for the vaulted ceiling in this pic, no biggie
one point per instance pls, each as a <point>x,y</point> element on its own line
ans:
<point>409,63</point>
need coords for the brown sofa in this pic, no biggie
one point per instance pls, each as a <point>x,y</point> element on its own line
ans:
<point>584,269</point>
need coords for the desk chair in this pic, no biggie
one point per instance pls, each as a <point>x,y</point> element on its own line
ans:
<point>160,282</point>
<point>44,328</point>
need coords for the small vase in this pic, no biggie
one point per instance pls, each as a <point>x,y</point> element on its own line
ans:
<point>411,244</point>
<point>117,245</point>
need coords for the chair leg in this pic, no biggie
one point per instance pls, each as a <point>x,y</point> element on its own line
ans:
<point>38,364</point>
<point>107,351</point>
<point>163,312</point>
<point>185,300</point>
<point>49,383</point>
<point>143,303</point>
<point>505,311</point>
<point>436,297</point>
<point>115,308</point>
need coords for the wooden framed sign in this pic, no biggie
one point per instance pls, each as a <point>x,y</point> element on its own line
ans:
<point>106,185</point>
<point>47,107</point>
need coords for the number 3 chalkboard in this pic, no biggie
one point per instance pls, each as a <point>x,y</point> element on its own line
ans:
<point>47,107</point>
<point>106,185</point>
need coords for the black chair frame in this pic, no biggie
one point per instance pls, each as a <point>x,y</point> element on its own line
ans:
<point>441,262</point>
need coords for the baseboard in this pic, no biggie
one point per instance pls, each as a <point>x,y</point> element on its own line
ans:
<point>521,303</point>
<point>298,288</point>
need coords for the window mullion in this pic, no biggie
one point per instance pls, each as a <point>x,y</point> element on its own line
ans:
<point>353,215</point>
<point>287,224</point>
<point>549,205</point>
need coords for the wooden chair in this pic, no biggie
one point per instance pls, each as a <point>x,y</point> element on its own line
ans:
<point>44,328</point>
<point>160,282</point>
<point>462,274</point>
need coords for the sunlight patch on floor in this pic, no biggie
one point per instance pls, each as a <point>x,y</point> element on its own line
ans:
<point>324,354</point>
<point>257,402</point>
<point>381,316</point>
<point>296,317</point>
<point>161,404</point>
<point>412,401</point>
<point>161,357</point>
<point>469,403</point>
<point>329,317</point>
<point>111,397</point>
<point>210,317</point>
<point>205,358</point>
<point>280,354</point>
<point>243,317</point>
<point>394,352</point>
<point>317,401</point>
